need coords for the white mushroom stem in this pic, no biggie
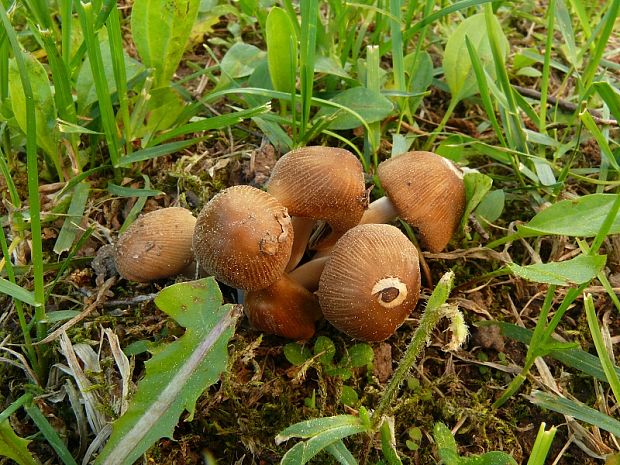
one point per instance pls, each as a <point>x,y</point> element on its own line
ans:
<point>302,229</point>
<point>309,273</point>
<point>381,211</point>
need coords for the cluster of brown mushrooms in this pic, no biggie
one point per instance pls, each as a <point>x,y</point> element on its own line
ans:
<point>364,276</point>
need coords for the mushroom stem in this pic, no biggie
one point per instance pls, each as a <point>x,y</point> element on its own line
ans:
<point>379,211</point>
<point>285,308</point>
<point>308,274</point>
<point>302,229</point>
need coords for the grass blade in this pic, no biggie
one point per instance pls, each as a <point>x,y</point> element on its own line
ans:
<point>541,447</point>
<point>576,410</point>
<point>50,434</point>
<point>70,227</point>
<point>606,359</point>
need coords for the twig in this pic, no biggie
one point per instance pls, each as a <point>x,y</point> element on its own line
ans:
<point>101,295</point>
<point>565,105</point>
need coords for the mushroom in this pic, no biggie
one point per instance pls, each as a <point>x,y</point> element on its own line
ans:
<point>157,245</point>
<point>371,282</point>
<point>319,183</point>
<point>243,237</point>
<point>425,190</point>
<point>285,308</point>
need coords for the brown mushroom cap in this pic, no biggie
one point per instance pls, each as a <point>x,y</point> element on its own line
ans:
<point>157,245</point>
<point>285,308</point>
<point>428,193</point>
<point>243,237</point>
<point>371,282</point>
<point>322,183</point>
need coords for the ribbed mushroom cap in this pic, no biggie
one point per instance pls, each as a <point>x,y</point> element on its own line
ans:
<point>243,237</point>
<point>371,282</point>
<point>322,183</point>
<point>157,245</point>
<point>428,192</point>
<point>285,308</point>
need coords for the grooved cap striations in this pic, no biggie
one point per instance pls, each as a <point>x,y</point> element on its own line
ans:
<point>157,245</point>
<point>371,282</point>
<point>285,308</point>
<point>243,237</point>
<point>428,192</point>
<point>322,183</point>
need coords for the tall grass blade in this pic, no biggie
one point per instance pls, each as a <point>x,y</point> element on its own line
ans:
<point>307,52</point>
<point>32,166</point>
<point>542,445</point>
<point>101,85</point>
<point>606,358</point>
<point>576,410</point>
<point>50,434</point>
<point>70,227</point>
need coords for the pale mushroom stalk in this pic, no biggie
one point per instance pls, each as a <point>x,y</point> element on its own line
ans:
<point>308,274</point>
<point>302,228</point>
<point>380,211</point>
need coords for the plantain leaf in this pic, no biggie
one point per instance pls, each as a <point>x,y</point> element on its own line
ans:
<point>179,373</point>
<point>14,447</point>
<point>582,217</point>
<point>160,30</point>
<point>44,107</point>
<point>369,104</point>
<point>578,270</point>
<point>281,50</point>
<point>457,65</point>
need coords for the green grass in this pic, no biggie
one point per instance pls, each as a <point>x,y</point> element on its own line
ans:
<point>104,114</point>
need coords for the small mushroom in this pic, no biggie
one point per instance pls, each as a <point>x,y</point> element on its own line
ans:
<point>425,190</point>
<point>157,245</point>
<point>285,308</point>
<point>319,183</point>
<point>243,237</point>
<point>371,282</point>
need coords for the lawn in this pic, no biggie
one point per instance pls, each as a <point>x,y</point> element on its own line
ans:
<point>124,127</point>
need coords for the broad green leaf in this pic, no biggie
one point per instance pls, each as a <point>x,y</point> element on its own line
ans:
<point>324,346</point>
<point>492,205</point>
<point>360,355</point>
<point>611,96</point>
<point>582,217</point>
<point>14,447</point>
<point>71,225</point>
<point>309,428</point>
<point>44,107</point>
<point>340,452</point>
<point>160,30</point>
<point>578,270</point>
<point>179,373</point>
<point>476,187</point>
<point>329,65</point>
<point>456,61</point>
<point>297,354</point>
<point>17,292</point>
<point>421,77</point>
<point>164,108</point>
<point>490,458</point>
<point>369,104</point>
<point>348,396</point>
<point>576,410</point>
<point>281,50</point>
<point>304,451</point>
<point>85,84</point>
<point>443,438</point>
<point>241,60</point>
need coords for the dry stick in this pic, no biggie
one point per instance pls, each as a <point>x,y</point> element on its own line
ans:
<point>101,296</point>
<point>564,105</point>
